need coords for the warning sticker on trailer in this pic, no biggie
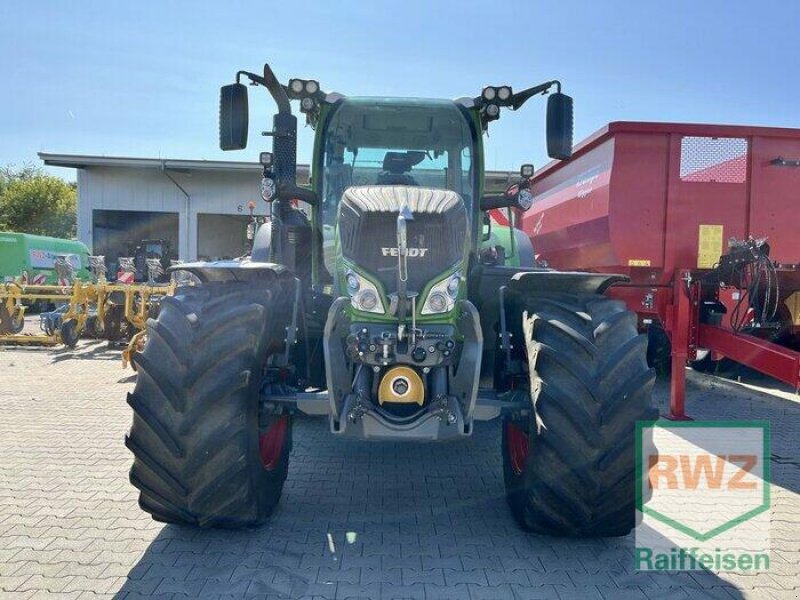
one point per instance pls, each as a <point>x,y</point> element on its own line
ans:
<point>709,246</point>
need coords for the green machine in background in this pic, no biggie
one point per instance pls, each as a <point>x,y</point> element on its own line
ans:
<point>31,258</point>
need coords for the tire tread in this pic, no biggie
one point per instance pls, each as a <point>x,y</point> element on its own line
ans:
<point>195,426</point>
<point>590,383</point>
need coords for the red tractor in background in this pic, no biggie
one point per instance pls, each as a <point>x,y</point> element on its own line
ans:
<point>704,220</point>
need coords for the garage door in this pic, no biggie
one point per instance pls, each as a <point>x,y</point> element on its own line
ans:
<point>117,233</point>
<point>221,237</point>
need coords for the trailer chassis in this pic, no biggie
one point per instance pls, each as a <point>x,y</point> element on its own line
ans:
<point>677,307</point>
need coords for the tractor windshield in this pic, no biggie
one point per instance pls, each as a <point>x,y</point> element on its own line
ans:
<point>396,141</point>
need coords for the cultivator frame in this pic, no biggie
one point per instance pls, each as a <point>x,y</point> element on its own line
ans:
<point>77,296</point>
<point>80,298</point>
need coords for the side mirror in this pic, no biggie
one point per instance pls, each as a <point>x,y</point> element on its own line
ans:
<point>233,117</point>
<point>559,126</point>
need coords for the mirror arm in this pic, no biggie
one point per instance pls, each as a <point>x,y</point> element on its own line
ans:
<point>272,84</point>
<point>518,99</point>
<point>294,192</point>
<point>493,202</point>
<point>509,199</point>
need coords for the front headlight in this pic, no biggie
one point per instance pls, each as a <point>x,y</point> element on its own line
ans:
<point>267,188</point>
<point>525,199</point>
<point>364,295</point>
<point>353,282</point>
<point>442,296</point>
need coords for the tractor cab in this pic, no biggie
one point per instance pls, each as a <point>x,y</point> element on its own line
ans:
<point>396,141</point>
<point>377,155</point>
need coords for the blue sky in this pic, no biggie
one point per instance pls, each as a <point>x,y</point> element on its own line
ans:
<point>141,78</point>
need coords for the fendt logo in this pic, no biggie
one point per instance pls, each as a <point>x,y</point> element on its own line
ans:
<point>703,495</point>
<point>411,252</point>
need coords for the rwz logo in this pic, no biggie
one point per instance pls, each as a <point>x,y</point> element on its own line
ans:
<point>412,252</point>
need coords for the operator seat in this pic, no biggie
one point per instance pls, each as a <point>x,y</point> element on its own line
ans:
<point>395,169</point>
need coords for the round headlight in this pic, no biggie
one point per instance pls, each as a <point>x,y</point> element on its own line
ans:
<point>367,300</point>
<point>307,103</point>
<point>353,283</point>
<point>437,302</point>
<point>296,85</point>
<point>489,93</point>
<point>492,110</point>
<point>525,199</point>
<point>267,188</point>
<point>504,93</point>
<point>452,286</point>
<point>312,87</point>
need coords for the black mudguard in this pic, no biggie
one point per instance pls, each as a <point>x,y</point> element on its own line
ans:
<point>486,280</point>
<point>232,270</point>
<point>485,283</point>
<point>571,282</point>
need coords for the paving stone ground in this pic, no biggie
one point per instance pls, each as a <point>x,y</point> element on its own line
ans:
<point>357,519</point>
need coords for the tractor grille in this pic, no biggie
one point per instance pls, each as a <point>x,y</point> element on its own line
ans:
<point>436,236</point>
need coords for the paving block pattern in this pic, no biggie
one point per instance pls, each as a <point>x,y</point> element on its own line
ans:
<point>357,520</point>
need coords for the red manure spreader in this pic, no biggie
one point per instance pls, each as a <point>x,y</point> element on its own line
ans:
<point>703,220</point>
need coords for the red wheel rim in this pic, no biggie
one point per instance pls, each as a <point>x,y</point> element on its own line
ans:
<point>517,441</point>
<point>271,442</point>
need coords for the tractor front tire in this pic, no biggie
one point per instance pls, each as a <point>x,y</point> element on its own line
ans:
<point>569,464</point>
<point>205,452</point>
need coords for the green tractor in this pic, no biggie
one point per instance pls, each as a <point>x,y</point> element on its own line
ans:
<point>382,298</point>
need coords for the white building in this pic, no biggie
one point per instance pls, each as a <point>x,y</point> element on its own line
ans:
<point>199,206</point>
